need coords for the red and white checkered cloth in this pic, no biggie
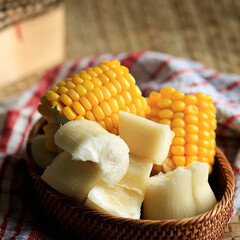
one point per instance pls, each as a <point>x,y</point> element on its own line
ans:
<point>20,217</point>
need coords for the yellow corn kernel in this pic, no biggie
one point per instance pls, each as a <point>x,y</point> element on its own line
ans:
<point>132,108</point>
<point>130,79</point>
<point>51,97</point>
<point>69,85</point>
<point>167,92</point>
<point>98,70</point>
<point>85,76</point>
<point>117,85</point>
<point>104,67</point>
<point>81,90</point>
<point>104,79</point>
<point>115,119</point>
<point>62,90</point>
<point>154,111</point>
<point>109,123</point>
<point>137,104</point>
<point>78,108</point>
<point>178,115</point>
<point>105,92</point>
<point>179,160</point>
<point>190,159</point>
<point>124,83</point>
<point>98,93</point>
<point>73,94</point>
<point>98,113</point>
<point>191,109</point>
<point>91,72</point>
<point>111,89</point>
<point>90,116</point>
<point>126,109</point>
<point>54,88</point>
<point>65,99</point>
<point>88,85</point>
<point>164,121</point>
<point>127,97</point>
<point>203,116</point>
<point>201,96</point>
<point>164,103</point>
<point>111,74</point>
<point>165,113</point>
<point>80,118</point>
<point>203,125</point>
<point>102,123</point>
<point>204,135</point>
<point>179,132</point>
<point>58,105</point>
<point>121,101</point>
<point>191,119</point>
<point>202,159</point>
<point>177,95</point>
<point>69,113</point>
<point>191,149</point>
<point>86,104</point>
<point>213,124</point>
<point>113,104</point>
<point>178,141</point>
<point>203,152</point>
<point>191,138</point>
<point>77,80</point>
<point>96,82</point>
<point>177,150</point>
<point>190,128</point>
<point>178,106</point>
<point>204,143</point>
<point>135,91</point>
<point>92,99</point>
<point>114,131</point>
<point>156,119</point>
<point>60,84</point>
<point>106,108</point>
<point>177,122</point>
<point>190,99</point>
<point>203,105</point>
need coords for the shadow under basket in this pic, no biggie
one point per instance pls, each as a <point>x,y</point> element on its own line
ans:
<point>80,222</point>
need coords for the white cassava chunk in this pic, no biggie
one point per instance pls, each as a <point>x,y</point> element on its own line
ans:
<point>40,154</point>
<point>146,139</point>
<point>71,178</point>
<point>87,140</point>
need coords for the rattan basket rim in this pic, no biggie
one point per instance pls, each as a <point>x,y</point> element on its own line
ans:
<point>228,195</point>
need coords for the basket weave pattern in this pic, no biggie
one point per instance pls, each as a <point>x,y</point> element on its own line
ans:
<point>81,222</point>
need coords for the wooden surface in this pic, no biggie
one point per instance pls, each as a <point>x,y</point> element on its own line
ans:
<point>207,31</point>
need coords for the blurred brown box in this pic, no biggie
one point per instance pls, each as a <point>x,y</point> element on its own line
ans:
<point>32,45</point>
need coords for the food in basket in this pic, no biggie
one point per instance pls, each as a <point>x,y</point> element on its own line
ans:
<point>146,139</point>
<point>97,93</point>
<point>88,141</point>
<point>125,198</point>
<point>40,153</point>
<point>193,120</point>
<point>181,193</point>
<point>71,178</point>
<point>83,111</point>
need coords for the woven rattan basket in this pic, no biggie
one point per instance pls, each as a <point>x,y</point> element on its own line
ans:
<point>81,222</point>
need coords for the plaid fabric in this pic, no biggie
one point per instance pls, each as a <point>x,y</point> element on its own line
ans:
<point>20,217</point>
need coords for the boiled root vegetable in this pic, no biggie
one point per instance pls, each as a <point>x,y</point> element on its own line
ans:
<point>87,140</point>
<point>182,193</point>
<point>71,178</point>
<point>146,139</point>
<point>125,198</point>
<point>40,153</point>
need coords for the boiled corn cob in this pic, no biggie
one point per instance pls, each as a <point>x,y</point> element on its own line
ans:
<point>193,120</point>
<point>98,94</point>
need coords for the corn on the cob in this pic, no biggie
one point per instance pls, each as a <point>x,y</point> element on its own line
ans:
<point>193,120</point>
<point>98,94</point>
